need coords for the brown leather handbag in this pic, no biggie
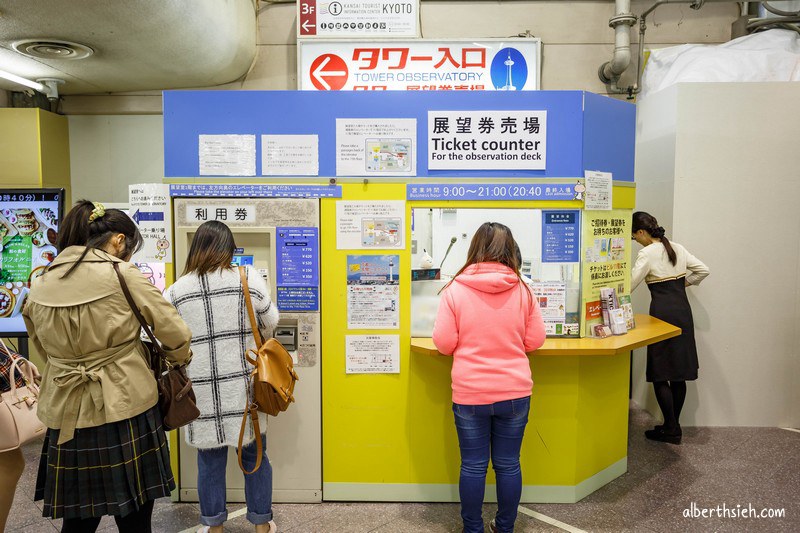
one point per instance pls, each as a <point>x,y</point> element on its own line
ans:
<point>273,378</point>
<point>176,399</point>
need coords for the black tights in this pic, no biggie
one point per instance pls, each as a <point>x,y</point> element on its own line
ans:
<point>135,522</point>
<point>670,396</point>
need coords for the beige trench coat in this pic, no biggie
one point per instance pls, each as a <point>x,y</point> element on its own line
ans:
<point>96,369</point>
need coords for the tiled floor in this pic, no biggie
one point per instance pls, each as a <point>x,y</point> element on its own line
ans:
<point>714,466</point>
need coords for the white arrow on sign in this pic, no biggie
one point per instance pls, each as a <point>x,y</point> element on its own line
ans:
<point>318,73</point>
<point>305,25</point>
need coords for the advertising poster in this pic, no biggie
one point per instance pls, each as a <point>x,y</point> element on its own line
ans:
<point>552,299</point>
<point>419,65</point>
<point>376,147</point>
<point>28,236</point>
<point>150,209</point>
<point>372,354</point>
<point>560,236</point>
<point>156,273</point>
<point>365,18</point>
<point>487,140</point>
<point>599,189</point>
<point>606,249</point>
<point>370,225</point>
<point>298,269</point>
<point>227,155</point>
<point>289,155</point>
<point>373,292</point>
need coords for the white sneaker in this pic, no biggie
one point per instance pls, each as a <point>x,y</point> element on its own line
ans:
<point>273,528</point>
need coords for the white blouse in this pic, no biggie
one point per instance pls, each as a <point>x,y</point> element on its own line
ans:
<point>652,265</point>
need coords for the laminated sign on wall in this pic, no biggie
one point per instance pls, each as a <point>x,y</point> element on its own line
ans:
<point>468,65</point>
<point>150,209</point>
<point>365,18</point>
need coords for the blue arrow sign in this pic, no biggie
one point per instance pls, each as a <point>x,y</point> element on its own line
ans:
<point>148,216</point>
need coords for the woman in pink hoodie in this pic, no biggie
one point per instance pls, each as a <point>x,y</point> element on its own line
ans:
<point>488,320</point>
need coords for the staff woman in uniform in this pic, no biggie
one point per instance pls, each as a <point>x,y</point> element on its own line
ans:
<point>673,362</point>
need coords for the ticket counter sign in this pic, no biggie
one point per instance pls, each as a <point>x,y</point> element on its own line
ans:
<point>364,18</point>
<point>420,65</point>
<point>487,140</point>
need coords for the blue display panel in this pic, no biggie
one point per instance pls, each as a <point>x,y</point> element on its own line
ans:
<point>298,298</point>
<point>298,268</point>
<point>561,236</point>
<point>315,112</point>
<point>490,191</point>
<point>242,260</point>
<point>256,191</point>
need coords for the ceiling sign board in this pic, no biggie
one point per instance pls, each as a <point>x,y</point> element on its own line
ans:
<point>363,18</point>
<point>420,64</point>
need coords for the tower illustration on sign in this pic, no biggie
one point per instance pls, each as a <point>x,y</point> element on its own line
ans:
<point>509,86</point>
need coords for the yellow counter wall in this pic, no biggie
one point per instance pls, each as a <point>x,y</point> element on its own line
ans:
<point>391,437</point>
<point>34,153</point>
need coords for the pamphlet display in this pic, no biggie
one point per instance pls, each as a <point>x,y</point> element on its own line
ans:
<point>29,222</point>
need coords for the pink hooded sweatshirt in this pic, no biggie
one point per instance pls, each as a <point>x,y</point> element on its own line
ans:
<point>487,322</point>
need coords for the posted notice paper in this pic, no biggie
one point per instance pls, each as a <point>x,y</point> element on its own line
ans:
<point>598,191</point>
<point>370,225</point>
<point>372,354</point>
<point>376,147</point>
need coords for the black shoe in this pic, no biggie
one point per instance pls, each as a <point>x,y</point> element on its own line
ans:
<point>661,427</point>
<point>661,436</point>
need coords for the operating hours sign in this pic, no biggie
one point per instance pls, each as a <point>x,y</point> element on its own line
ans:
<point>360,18</point>
<point>419,65</point>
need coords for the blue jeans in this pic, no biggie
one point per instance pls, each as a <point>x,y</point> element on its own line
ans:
<point>211,466</point>
<point>494,430</point>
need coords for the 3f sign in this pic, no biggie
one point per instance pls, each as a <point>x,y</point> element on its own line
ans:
<point>306,9</point>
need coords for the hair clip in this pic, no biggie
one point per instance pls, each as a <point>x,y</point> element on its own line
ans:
<point>98,212</point>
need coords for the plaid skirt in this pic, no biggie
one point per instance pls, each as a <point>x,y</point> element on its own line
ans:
<point>107,470</point>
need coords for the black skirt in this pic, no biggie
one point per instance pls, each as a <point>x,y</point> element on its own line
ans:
<point>674,359</point>
<point>107,470</point>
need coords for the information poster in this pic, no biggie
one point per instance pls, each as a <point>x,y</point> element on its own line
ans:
<point>552,299</point>
<point>373,292</point>
<point>376,147</point>
<point>372,354</point>
<point>227,155</point>
<point>370,225</point>
<point>298,268</point>
<point>606,250</point>
<point>365,18</point>
<point>156,273</point>
<point>150,209</point>
<point>289,155</point>
<point>560,236</point>
<point>599,189</point>
<point>28,235</point>
<point>487,140</point>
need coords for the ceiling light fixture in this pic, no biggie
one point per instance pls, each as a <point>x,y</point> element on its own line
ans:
<point>46,86</point>
<point>23,81</point>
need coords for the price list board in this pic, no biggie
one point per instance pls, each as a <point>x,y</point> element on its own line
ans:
<point>560,234</point>
<point>298,268</point>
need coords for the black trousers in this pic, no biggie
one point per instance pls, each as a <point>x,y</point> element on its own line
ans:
<point>135,522</point>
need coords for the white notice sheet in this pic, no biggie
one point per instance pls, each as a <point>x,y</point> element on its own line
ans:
<point>372,354</point>
<point>598,190</point>
<point>289,155</point>
<point>227,155</point>
<point>370,225</point>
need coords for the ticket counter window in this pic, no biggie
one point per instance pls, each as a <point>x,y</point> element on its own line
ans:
<point>548,243</point>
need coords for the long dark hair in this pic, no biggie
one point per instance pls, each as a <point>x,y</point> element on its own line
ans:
<point>648,222</point>
<point>493,243</point>
<point>79,229</point>
<point>212,249</point>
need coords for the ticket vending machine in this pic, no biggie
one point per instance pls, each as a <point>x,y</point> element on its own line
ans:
<point>280,238</point>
